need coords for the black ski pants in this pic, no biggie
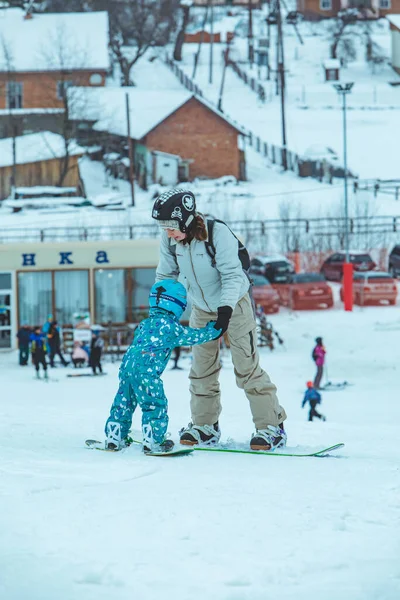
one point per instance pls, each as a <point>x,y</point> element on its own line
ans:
<point>23,355</point>
<point>95,357</point>
<point>55,350</point>
<point>39,358</point>
<point>313,413</point>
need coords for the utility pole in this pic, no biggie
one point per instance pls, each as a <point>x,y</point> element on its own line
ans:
<point>226,61</point>
<point>250,34</point>
<point>130,150</point>
<point>343,90</point>
<point>210,74</point>
<point>203,26</point>
<point>281,76</point>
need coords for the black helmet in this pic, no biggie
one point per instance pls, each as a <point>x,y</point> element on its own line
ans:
<point>175,209</point>
<point>319,340</point>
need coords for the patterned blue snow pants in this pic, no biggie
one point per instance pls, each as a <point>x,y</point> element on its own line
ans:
<point>144,390</point>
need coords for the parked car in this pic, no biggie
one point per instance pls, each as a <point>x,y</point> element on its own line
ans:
<point>373,287</point>
<point>306,290</point>
<point>394,261</point>
<point>264,294</point>
<point>332,268</point>
<point>276,268</point>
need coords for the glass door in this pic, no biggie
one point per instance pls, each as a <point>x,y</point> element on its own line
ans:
<point>5,311</point>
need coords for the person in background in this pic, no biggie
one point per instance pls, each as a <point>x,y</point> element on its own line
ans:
<point>313,397</point>
<point>38,346</point>
<point>24,335</point>
<point>96,350</point>
<point>318,355</point>
<point>54,340</point>
<point>79,356</point>
<point>46,326</point>
<point>177,353</point>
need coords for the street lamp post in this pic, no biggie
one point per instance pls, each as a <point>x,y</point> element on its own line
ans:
<point>343,90</point>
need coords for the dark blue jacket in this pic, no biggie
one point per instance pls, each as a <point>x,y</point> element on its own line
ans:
<point>38,342</point>
<point>24,336</point>
<point>311,394</point>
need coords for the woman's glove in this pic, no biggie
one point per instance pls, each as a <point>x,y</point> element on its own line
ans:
<point>224,315</point>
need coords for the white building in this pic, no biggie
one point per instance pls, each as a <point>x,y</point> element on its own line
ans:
<point>395,34</point>
<point>109,279</point>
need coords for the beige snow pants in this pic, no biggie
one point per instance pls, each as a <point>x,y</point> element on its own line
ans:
<point>205,401</point>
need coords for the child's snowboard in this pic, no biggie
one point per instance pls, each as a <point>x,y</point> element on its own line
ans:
<point>95,444</point>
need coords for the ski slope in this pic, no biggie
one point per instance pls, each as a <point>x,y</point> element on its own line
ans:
<point>77,524</point>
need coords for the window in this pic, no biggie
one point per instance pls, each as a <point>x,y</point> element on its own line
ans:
<point>111,295</point>
<point>142,280</point>
<point>71,295</point>
<point>325,4</point>
<point>14,94</point>
<point>308,278</point>
<point>385,4</point>
<point>5,281</point>
<point>62,87</point>
<point>34,297</point>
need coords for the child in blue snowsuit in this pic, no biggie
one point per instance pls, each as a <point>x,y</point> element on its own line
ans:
<point>313,397</point>
<point>144,363</point>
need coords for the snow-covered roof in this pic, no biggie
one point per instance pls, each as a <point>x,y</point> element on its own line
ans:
<point>394,20</point>
<point>332,63</point>
<point>148,108</point>
<point>35,147</point>
<point>54,40</point>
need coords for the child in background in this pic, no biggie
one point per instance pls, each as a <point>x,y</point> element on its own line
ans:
<point>313,397</point>
<point>143,364</point>
<point>96,350</point>
<point>79,356</point>
<point>39,351</point>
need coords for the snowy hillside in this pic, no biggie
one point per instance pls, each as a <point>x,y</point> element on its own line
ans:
<point>77,524</point>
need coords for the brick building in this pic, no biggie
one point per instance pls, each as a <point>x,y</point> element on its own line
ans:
<point>368,9</point>
<point>174,122</point>
<point>41,55</point>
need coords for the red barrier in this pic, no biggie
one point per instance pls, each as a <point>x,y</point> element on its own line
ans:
<point>348,286</point>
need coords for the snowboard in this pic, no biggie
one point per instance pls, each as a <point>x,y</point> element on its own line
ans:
<point>331,387</point>
<point>95,444</point>
<point>284,452</point>
<point>85,374</point>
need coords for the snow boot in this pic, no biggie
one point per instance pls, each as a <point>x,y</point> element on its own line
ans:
<point>270,438</point>
<point>165,446</point>
<point>204,435</point>
<point>114,441</point>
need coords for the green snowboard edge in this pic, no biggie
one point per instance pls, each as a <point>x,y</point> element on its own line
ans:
<point>320,453</point>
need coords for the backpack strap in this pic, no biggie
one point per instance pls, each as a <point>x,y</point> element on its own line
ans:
<point>209,244</point>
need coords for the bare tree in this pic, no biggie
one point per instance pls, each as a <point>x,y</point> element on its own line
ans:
<point>180,38</point>
<point>136,26</point>
<point>7,66</point>
<point>342,32</point>
<point>65,58</point>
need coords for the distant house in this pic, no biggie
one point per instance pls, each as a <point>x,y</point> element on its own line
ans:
<point>43,54</point>
<point>38,159</point>
<point>230,3</point>
<point>173,122</point>
<point>395,35</point>
<point>222,31</point>
<point>368,9</point>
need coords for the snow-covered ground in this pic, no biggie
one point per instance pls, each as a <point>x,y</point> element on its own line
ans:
<point>84,525</point>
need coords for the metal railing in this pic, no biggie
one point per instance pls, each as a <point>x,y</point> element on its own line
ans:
<point>248,229</point>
